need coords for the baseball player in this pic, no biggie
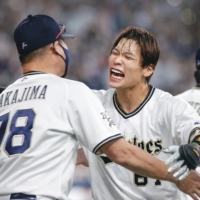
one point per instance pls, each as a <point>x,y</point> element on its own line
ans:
<point>193,97</point>
<point>146,116</point>
<point>43,116</point>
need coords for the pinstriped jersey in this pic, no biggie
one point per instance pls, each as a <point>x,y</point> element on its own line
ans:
<point>160,121</point>
<point>192,96</point>
<point>42,118</point>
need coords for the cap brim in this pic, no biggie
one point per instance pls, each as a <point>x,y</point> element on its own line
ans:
<point>65,36</point>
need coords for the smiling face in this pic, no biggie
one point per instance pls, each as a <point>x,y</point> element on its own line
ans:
<point>125,70</point>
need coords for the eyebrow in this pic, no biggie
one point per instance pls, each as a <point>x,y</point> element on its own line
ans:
<point>127,53</point>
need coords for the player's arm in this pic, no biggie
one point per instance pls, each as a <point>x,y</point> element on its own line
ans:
<point>140,162</point>
<point>186,157</point>
<point>136,160</point>
<point>81,158</point>
<point>96,131</point>
<point>187,129</point>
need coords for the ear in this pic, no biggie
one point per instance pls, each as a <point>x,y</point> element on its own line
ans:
<point>56,48</point>
<point>148,71</point>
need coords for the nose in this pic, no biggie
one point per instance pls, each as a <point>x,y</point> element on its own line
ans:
<point>118,59</point>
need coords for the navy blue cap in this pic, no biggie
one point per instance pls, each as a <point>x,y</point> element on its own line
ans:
<point>198,59</point>
<point>37,31</point>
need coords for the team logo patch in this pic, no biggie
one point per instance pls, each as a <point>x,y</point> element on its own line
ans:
<point>108,118</point>
<point>196,123</point>
<point>24,45</point>
<point>24,78</point>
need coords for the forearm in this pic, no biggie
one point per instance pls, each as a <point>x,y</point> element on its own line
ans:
<point>144,164</point>
<point>137,160</point>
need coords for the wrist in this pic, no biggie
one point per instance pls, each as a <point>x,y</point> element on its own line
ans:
<point>169,177</point>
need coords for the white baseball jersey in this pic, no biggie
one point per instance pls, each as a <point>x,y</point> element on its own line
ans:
<point>193,97</point>
<point>42,117</point>
<point>160,121</point>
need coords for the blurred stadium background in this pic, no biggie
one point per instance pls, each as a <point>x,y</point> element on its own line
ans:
<point>175,23</point>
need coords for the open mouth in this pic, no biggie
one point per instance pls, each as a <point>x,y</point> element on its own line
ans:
<point>116,74</point>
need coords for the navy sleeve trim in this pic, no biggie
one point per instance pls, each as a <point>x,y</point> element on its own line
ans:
<point>107,140</point>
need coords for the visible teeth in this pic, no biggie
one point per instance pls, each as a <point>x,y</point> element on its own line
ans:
<point>116,71</point>
<point>116,77</point>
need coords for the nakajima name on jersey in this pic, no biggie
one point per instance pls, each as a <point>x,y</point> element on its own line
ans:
<point>25,94</point>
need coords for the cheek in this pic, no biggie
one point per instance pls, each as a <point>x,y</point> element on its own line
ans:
<point>133,74</point>
<point>110,60</point>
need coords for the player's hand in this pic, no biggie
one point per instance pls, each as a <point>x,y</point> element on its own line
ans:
<point>184,158</point>
<point>190,185</point>
<point>176,163</point>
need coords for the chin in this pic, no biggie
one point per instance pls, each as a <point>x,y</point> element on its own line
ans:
<point>113,84</point>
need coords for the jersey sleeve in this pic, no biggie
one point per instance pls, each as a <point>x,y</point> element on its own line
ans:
<point>91,124</point>
<point>99,93</point>
<point>184,120</point>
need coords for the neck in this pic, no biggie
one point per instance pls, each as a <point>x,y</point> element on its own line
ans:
<point>34,66</point>
<point>130,99</point>
<point>42,66</point>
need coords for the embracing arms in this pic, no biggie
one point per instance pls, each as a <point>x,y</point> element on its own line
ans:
<point>140,162</point>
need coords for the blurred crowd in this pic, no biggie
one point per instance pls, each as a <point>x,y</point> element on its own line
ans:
<point>175,23</point>
<point>96,23</point>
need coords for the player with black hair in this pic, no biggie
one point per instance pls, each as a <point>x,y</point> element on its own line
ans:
<point>147,117</point>
<point>192,96</point>
<point>43,116</point>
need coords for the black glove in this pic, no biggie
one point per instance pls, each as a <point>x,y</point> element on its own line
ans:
<point>190,154</point>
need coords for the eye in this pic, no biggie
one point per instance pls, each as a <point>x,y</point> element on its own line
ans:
<point>128,57</point>
<point>114,52</point>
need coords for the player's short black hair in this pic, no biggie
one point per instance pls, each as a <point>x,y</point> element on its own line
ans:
<point>149,49</point>
<point>29,56</point>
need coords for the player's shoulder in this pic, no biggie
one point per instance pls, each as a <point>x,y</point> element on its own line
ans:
<point>161,95</point>
<point>185,93</point>
<point>166,98</point>
<point>104,95</point>
<point>192,95</point>
<point>74,83</point>
<point>71,85</point>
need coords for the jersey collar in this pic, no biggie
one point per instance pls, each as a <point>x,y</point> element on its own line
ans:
<point>138,109</point>
<point>32,73</point>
